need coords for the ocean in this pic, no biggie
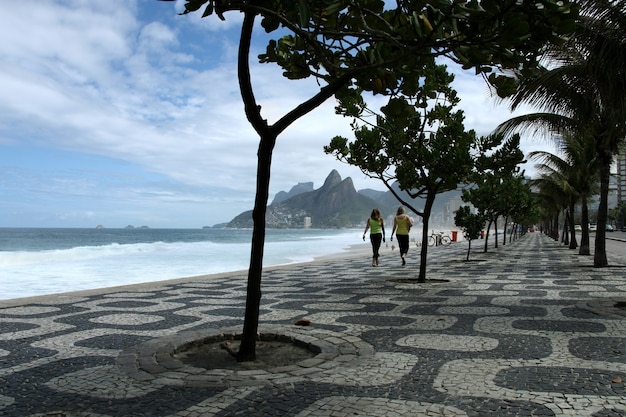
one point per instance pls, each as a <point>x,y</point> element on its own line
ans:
<point>39,261</point>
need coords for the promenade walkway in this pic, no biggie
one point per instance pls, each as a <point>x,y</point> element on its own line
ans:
<point>528,329</point>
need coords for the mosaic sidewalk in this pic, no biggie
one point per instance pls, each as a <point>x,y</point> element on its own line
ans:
<point>529,329</point>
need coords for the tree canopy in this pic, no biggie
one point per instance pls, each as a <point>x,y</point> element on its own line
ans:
<point>496,187</point>
<point>377,46</point>
<point>575,173</point>
<point>470,223</point>
<point>420,142</point>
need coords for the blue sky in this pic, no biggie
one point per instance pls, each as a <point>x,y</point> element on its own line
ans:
<point>122,112</point>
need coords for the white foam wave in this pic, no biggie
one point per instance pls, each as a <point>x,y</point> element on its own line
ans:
<point>81,253</point>
<point>24,274</point>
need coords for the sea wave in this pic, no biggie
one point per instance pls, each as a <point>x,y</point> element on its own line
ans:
<point>81,253</point>
<point>38,272</point>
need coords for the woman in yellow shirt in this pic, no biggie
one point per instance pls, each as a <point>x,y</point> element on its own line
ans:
<point>376,225</point>
<point>402,224</point>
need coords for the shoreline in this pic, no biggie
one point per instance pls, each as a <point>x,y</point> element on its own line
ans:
<point>359,249</point>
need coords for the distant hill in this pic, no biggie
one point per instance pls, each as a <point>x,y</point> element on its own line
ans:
<point>336,204</point>
<point>303,187</point>
<point>373,194</point>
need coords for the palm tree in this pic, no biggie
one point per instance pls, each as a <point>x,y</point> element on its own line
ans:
<point>584,93</point>
<point>577,171</point>
<point>552,198</point>
<point>554,173</point>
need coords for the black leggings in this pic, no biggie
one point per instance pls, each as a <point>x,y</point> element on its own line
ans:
<point>403,243</point>
<point>376,239</point>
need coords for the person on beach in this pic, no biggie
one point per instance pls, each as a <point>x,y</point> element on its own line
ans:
<point>402,224</point>
<point>376,226</point>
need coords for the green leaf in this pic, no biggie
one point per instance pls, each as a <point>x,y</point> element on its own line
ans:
<point>505,86</point>
<point>209,11</point>
<point>334,7</point>
<point>193,5</point>
<point>304,12</point>
<point>270,23</point>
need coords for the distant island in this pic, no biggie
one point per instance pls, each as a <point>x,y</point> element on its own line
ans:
<point>216,226</point>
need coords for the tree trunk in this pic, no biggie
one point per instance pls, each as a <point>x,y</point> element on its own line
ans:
<point>599,256</point>
<point>514,233</point>
<point>573,243</point>
<point>247,349</point>
<point>428,206</point>
<point>555,227</point>
<point>565,233</point>
<point>585,248</point>
<point>469,248</point>
<point>487,234</point>
<point>495,230</point>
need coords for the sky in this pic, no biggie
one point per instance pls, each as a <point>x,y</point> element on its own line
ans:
<point>123,112</point>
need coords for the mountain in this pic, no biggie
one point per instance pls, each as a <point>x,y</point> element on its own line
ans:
<point>302,187</point>
<point>336,204</point>
<point>445,202</point>
<point>373,194</point>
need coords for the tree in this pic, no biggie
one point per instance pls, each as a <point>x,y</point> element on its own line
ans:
<point>497,163</point>
<point>526,213</point>
<point>619,214</point>
<point>553,198</point>
<point>350,46</point>
<point>576,172</point>
<point>555,173</point>
<point>582,93</point>
<point>515,201</point>
<point>470,223</point>
<point>424,148</point>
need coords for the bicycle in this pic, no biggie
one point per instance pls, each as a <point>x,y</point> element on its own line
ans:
<point>439,239</point>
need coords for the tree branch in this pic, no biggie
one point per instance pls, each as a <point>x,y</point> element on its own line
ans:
<point>312,103</point>
<point>253,111</point>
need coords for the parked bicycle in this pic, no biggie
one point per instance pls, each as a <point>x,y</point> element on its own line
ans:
<point>439,239</point>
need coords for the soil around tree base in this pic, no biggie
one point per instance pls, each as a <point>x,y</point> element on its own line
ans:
<point>269,354</point>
